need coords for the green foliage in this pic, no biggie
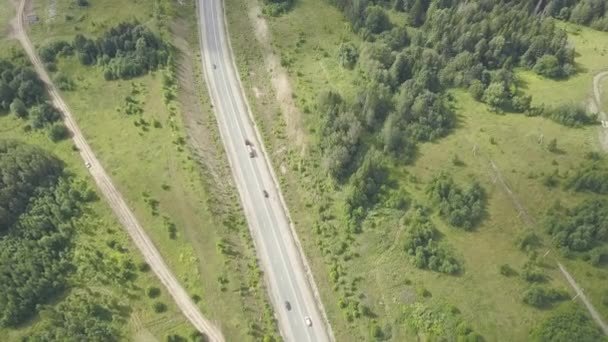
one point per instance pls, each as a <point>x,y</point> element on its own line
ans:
<point>277,7</point>
<point>348,55</point>
<point>507,270</point>
<point>461,208</point>
<point>44,114</point>
<point>51,51</point>
<point>532,273</point>
<point>580,228</point>
<point>153,292</point>
<point>542,297</point>
<point>376,20</point>
<point>548,66</point>
<point>63,82</point>
<point>570,115</point>
<point>79,317</point>
<point>21,83</point>
<point>159,307</point>
<point>341,131</point>
<point>439,322</point>
<point>127,50</point>
<point>495,95</point>
<point>593,13</point>
<point>366,186</point>
<point>59,132</point>
<point>590,177</point>
<point>424,249</point>
<point>568,324</point>
<point>24,171</point>
<point>34,254</point>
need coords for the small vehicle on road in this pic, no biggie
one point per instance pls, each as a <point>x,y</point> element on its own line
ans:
<point>265,193</point>
<point>287,306</point>
<point>88,165</point>
<point>308,321</point>
<point>250,148</point>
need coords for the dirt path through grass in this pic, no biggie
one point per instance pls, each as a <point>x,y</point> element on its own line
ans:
<point>531,223</point>
<point>596,106</point>
<point>113,197</point>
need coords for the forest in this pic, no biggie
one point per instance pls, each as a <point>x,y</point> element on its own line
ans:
<point>125,51</point>
<point>38,205</point>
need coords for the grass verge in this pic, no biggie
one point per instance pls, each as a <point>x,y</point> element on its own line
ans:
<point>375,270</point>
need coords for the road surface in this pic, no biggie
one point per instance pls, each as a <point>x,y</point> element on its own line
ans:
<point>114,198</point>
<point>286,272</point>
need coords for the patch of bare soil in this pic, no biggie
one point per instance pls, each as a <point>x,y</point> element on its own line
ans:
<point>278,78</point>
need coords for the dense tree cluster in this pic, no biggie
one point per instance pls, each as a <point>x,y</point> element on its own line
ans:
<point>542,297</point>
<point>37,204</point>
<point>366,186</point>
<point>277,7</point>
<point>51,51</point>
<point>341,131</point>
<point>570,115</point>
<point>568,324</point>
<point>23,93</point>
<point>424,249</point>
<point>580,228</point>
<point>592,13</point>
<point>402,101</point>
<point>460,207</point>
<point>125,51</point>
<point>20,88</point>
<point>23,171</point>
<point>591,177</point>
<point>79,317</point>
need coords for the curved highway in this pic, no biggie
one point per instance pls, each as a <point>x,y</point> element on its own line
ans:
<point>284,267</point>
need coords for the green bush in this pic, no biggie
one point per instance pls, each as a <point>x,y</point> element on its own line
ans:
<point>542,297</point>
<point>461,208</point>
<point>59,132</point>
<point>159,307</point>
<point>567,325</point>
<point>153,292</point>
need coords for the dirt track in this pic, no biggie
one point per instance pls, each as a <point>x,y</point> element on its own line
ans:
<point>113,197</point>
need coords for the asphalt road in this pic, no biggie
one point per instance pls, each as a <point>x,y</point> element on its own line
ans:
<point>285,270</point>
<point>113,197</point>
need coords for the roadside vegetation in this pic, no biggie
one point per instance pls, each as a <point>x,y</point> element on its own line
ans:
<point>429,143</point>
<point>118,73</point>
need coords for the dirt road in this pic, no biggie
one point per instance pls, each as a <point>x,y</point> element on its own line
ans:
<point>113,197</point>
<point>596,106</point>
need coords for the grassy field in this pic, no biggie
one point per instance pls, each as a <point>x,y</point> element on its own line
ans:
<point>604,104</point>
<point>149,159</point>
<point>375,269</point>
<point>96,230</point>
<point>592,48</point>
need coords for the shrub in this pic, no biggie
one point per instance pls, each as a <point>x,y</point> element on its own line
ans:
<point>461,208</point>
<point>424,250</point>
<point>153,292</point>
<point>159,307</point>
<point>579,228</point>
<point>541,297</point>
<point>59,132</point>
<point>570,115</point>
<point>506,270</point>
<point>568,324</point>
